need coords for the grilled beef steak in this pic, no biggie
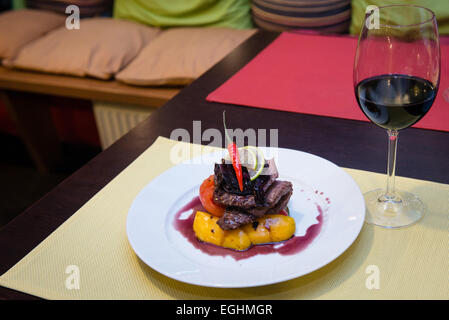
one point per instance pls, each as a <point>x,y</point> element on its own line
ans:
<point>243,209</point>
<point>225,181</point>
<point>232,219</point>
<point>277,190</point>
<point>227,199</point>
<point>276,199</point>
<point>264,195</point>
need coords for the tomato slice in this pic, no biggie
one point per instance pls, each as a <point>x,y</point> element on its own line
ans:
<point>206,197</point>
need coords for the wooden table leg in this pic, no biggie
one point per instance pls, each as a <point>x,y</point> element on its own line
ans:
<point>31,115</point>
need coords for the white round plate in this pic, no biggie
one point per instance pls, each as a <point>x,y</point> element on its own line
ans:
<point>316,181</point>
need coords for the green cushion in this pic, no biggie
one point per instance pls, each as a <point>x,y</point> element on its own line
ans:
<point>439,7</point>
<point>177,13</point>
<point>18,4</point>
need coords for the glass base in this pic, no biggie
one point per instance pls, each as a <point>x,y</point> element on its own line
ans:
<point>398,211</point>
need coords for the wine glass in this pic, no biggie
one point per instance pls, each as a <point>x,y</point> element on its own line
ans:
<point>396,78</point>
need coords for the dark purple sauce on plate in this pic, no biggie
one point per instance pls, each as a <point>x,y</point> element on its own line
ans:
<point>293,245</point>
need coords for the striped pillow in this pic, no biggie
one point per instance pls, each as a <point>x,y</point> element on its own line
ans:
<point>327,16</point>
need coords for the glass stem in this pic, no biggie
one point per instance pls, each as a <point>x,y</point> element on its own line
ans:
<point>391,168</point>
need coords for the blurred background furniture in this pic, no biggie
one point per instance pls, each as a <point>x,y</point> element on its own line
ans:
<point>91,95</point>
<point>175,57</point>
<point>330,16</point>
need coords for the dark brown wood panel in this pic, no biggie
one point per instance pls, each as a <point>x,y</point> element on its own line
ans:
<point>84,88</point>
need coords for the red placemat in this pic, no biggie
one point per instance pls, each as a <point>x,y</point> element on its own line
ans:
<point>313,74</point>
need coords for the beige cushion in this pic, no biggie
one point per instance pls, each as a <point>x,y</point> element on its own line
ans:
<point>100,48</point>
<point>180,55</point>
<point>19,27</point>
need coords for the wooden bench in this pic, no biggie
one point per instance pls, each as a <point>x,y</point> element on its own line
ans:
<point>26,96</point>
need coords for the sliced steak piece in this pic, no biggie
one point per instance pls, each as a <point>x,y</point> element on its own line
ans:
<point>276,199</point>
<point>263,182</point>
<point>277,190</point>
<point>227,199</point>
<point>232,219</point>
<point>282,204</point>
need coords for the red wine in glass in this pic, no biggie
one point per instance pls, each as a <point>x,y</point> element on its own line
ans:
<point>396,78</point>
<point>395,101</point>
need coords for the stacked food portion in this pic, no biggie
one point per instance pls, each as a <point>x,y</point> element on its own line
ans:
<point>246,205</point>
<point>263,195</point>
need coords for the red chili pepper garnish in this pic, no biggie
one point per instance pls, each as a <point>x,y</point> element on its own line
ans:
<point>234,153</point>
<point>235,157</point>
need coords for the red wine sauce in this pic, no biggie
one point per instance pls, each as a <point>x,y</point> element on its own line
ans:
<point>289,247</point>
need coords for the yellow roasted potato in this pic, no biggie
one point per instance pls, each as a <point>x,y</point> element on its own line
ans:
<point>258,235</point>
<point>268,229</point>
<point>206,228</point>
<point>236,239</point>
<point>280,227</point>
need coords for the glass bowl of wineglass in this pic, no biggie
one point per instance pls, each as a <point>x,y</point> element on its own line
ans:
<point>396,78</point>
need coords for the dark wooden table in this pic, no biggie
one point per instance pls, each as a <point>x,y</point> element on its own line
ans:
<point>422,154</point>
